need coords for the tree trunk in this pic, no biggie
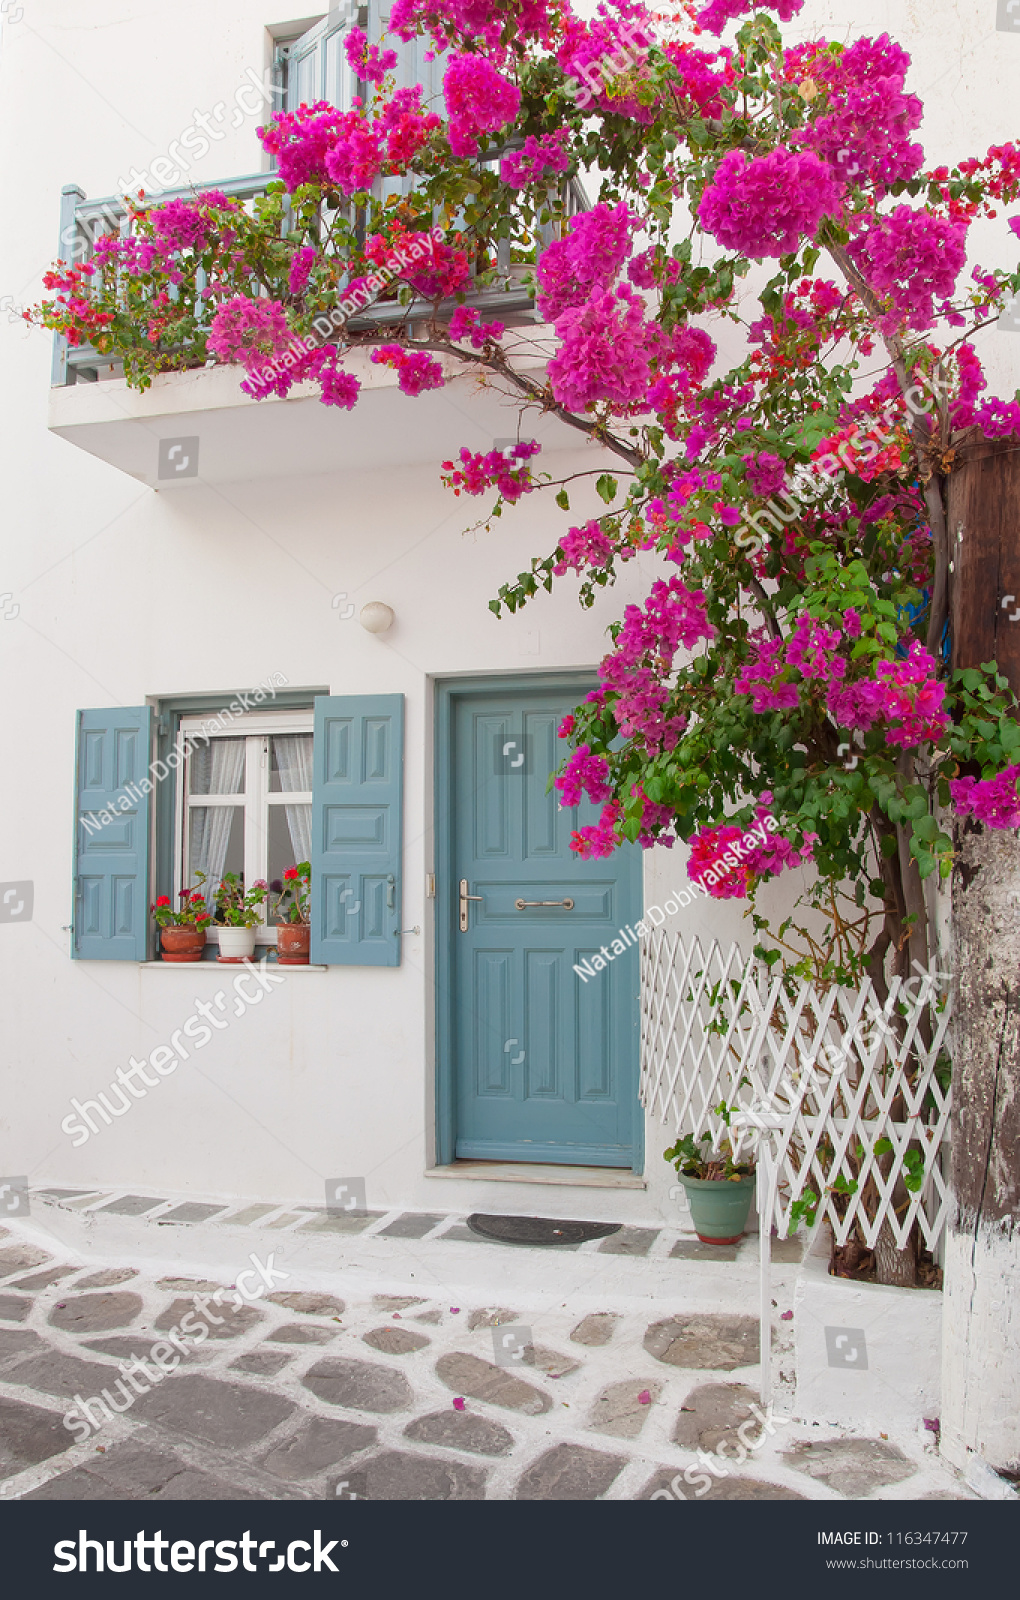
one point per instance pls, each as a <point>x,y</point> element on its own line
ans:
<point>981,1319</point>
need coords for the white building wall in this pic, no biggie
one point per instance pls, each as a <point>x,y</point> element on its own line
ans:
<point>124,594</point>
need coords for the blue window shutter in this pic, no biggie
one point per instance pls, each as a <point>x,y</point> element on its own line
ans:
<point>111,890</point>
<point>357,828</point>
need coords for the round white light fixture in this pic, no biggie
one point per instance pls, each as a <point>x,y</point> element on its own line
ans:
<point>376,617</point>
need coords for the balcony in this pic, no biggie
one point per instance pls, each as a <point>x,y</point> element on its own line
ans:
<point>92,407</point>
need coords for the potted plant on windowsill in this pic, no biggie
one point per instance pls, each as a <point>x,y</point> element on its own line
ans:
<point>719,1189</point>
<point>238,915</point>
<point>293,934</point>
<point>182,933</point>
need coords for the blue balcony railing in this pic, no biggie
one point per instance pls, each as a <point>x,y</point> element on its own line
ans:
<point>83,222</point>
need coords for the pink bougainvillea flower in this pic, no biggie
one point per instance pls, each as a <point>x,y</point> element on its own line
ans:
<point>769,205</point>
<point>416,370</point>
<point>458,1404</point>
<point>993,801</point>
<point>717,13</point>
<point>479,100</point>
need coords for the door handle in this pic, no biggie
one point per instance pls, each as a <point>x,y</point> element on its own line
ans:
<point>464,898</point>
<point>521,905</point>
<point>391,892</point>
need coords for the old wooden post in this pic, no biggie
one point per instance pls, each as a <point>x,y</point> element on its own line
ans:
<point>981,1329</point>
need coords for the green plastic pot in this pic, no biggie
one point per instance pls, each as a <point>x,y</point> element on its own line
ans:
<point>719,1207</point>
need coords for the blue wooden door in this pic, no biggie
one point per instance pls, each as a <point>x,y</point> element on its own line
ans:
<point>544,1060</point>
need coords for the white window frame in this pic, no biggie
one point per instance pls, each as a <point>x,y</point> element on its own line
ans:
<point>255,727</point>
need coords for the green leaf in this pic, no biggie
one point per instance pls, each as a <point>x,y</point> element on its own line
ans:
<point>563,500</point>
<point>606,488</point>
<point>883,1147</point>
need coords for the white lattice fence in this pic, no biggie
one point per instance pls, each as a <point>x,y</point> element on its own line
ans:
<point>844,1072</point>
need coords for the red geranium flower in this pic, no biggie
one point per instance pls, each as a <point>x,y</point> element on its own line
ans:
<point>291,873</point>
<point>164,900</point>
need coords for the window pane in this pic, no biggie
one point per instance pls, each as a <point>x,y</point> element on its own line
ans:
<point>290,840</point>
<point>217,767</point>
<point>290,765</point>
<point>216,843</point>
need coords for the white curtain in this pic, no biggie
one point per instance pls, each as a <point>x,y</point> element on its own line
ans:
<point>294,764</point>
<point>211,825</point>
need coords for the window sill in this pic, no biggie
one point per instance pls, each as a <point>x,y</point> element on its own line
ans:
<point>190,966</point>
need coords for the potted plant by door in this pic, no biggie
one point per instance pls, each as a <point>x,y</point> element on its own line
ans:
<point>182,933</point>
<point>719,1189</point>
<point>238,915</point>
<point>293,934</point>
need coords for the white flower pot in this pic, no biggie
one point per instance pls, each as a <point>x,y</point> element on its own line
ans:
<point>236,944</point>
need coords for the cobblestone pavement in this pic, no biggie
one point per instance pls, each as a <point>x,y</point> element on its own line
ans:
<point>622,1369</point>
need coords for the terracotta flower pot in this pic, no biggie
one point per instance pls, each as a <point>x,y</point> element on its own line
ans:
<point>236,945</point>
<point>292,943</point>
<point>182,944</point>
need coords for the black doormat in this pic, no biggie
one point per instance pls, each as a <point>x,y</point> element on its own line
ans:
<point>539,1230</point>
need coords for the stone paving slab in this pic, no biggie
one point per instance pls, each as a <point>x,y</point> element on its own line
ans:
<point>696,1250</point>
<point>669,1485</point>
<point>413,1225</point>
<point>469,1375</point>
<point>320,1443</point>
<point>395,1341</point>
<point>302,1333</point>
<point>106,1278</point>
<point>398,1475</point>
<point>853,1466</point>
<point>427,1412</point>
<point>630,1242</point>
<point>28,1434</point>
<point>307,1305</point>
<point>569,1472</point>
<point>95,1313</point>
<point>712,1414</point>
<point>14,1307</point>
<point>229,1415</point>
<point>359,1385</point>
<point>131,1205</point>
<point>42,1280</point>
<point>719,1342</point>
<point>19,1257</point>
<point>623,1408</point>
<point>459,1430</point>
<point>222,1320</point>
<point>53,1372</point>
<point>595,1329</point>
<point>191,1211</point>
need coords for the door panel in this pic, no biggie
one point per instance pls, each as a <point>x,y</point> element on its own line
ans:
<point>543,1064</point>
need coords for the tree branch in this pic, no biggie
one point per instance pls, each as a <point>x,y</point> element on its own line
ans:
<point>921,433</point>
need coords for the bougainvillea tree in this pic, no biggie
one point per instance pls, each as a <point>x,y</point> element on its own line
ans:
<point>792,658</point>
